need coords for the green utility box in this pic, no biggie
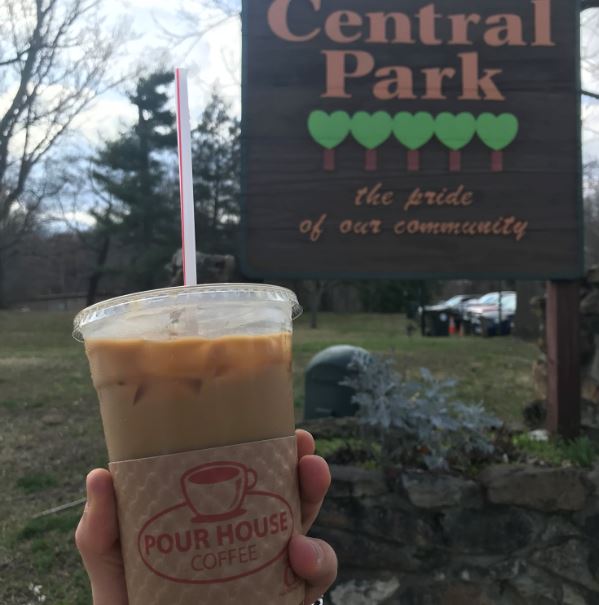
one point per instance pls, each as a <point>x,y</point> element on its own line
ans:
<point>325,397</point>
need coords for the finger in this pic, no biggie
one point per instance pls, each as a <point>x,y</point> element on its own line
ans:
<point>98,528</point>
<point>97,538</point>
<point>315,562</point>
<point>305,443</point>
<point>314,480</point>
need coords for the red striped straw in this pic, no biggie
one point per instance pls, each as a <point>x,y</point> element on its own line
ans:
<point>188,231</point>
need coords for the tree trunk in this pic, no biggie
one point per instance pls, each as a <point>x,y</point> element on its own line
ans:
<point>313,310</point>
<point>526,322</point>
<point>216,199</point>
<point>94,280</point>
<point>316,292</point>
<point>3,301</point>
<point>422,305</point>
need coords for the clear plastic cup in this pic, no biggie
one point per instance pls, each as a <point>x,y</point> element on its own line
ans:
<point>195,391</point>
<point>189,368</point>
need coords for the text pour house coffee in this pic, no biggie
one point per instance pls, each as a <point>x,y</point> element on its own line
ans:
<point>196,400</point>
<point>411,139</point>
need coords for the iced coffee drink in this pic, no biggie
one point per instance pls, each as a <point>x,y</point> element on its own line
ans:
<point>163,397</point>
<point>195,393</point>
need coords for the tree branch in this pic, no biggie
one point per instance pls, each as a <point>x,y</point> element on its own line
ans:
<point>55,59</point>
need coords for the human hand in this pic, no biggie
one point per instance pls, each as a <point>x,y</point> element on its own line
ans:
<point>97,536</point>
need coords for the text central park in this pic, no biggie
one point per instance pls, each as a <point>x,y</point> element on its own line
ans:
<point>427,27</point>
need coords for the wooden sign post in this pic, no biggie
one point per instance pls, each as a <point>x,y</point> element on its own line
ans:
<point>421,139</point>
<point>563,358</point>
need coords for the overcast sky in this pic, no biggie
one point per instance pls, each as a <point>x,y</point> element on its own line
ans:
<point>215,60</point>
<point>590,81</point>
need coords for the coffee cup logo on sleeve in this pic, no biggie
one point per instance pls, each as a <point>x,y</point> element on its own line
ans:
<point>225,527</point>
<point>220,518</point>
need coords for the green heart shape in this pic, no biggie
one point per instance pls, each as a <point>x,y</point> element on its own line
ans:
<point>497,132</point>
<point>455,131</point>
<point>371,130</point>
<point>414,131</point>
<point>329,130</point>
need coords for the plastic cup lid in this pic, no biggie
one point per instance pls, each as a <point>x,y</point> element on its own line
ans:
<point>198,296</point>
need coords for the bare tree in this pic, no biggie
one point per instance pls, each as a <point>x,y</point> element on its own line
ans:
<point>194,22</point>
<point>102,213</point>
<point>591,213</point>
<point>54,61</point>
<point>589,22</point>
<point>316,289</point>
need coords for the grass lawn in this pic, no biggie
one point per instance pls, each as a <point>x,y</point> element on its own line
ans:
<point>495,371</point>
<point>50,432</point>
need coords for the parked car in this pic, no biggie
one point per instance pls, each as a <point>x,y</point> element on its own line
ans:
<point>440,319</point>
<point>488,302</point>
<point>455,303</point>
<point>496,319</point>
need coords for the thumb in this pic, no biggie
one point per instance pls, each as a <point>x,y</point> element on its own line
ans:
<point>314,561</point>
<point>97,538</point>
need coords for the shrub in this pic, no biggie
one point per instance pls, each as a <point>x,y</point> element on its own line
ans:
<point>419,422</point>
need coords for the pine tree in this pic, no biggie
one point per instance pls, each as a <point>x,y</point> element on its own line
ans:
<point>137,171</point>
<point>216,168</point>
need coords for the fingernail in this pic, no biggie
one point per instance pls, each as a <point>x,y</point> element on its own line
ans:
<point>88,494</point>
<point>318,552</point>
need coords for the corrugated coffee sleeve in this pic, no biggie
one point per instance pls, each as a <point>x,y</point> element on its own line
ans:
<point>211,526</point>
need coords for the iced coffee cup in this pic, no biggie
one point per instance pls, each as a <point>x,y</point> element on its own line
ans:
<point>195,393</point>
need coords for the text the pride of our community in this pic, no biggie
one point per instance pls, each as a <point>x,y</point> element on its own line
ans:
<point>507,226</point>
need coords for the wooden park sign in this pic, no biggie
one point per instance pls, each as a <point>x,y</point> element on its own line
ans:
<point>411,138</point>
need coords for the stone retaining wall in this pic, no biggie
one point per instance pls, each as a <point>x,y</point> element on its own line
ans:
<point>517,535</point>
